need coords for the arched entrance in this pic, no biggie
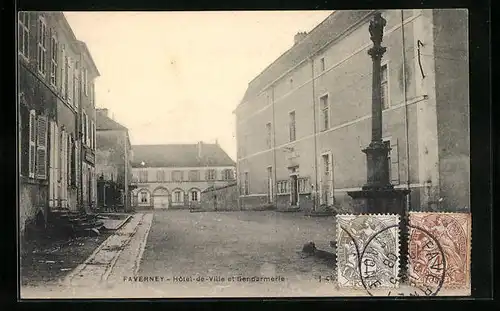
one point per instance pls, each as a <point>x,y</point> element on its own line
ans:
<point>160,198</point>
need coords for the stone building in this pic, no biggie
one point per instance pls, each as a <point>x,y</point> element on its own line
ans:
<point>113,162</point>
<point>51,76</point>
<point>304,120</point>
<point>174,175</point>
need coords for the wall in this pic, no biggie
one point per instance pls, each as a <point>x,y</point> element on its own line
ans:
<point>347,81</point>
<point>223,199</point>
<point>452,97</point>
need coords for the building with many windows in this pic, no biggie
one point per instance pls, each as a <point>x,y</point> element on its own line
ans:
<point>52,66</point>
<point>173,176</point>
<point>304,120</point>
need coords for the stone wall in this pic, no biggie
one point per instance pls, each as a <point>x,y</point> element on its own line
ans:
<point>222,199</point>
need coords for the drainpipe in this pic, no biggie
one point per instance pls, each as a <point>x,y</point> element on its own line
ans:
<point>315,138</point>
<point>408,198</point>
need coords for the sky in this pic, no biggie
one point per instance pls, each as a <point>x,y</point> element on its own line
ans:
<point>176,77</point>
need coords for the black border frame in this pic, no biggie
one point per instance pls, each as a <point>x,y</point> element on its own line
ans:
<point>482,166</point>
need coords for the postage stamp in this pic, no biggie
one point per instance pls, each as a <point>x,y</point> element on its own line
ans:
<point>439,249</point>
<point>368,251</point>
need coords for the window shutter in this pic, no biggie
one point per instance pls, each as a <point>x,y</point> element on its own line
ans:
<point>32,144</point>
<point>63,168</point>
<point>77,164</point>
<point>70,80</point>
<point>64,76</point>
<point>70,160</point>
<point>87,130</point>
<point>41,148</point>
<point>394,163</point>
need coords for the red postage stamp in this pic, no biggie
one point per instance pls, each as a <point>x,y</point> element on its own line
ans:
<point>439,249</point>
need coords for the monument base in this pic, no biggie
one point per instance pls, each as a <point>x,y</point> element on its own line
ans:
<point>387,200</point>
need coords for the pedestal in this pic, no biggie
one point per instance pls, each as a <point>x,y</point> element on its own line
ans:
<point>387,201</point>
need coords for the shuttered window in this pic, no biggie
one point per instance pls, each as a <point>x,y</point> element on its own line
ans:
<point>70,80</point>
<point>394,162</point>
<point>41,147</point>
<point>42,46</point>
<point>64,71</point>
<point>32,144</point>
<point>54,50</point>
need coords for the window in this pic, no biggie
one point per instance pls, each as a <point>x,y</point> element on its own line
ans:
<point>143,176</point>
<point>64,72</point>
<point>69,87</point>
<point>194,196</point>
<point>160,175</point>
<point>73,161</point>
<point>210,174</point>
<point>292,125</point>
<point>393,160</point>
<point>269,135</point>
<point>76,86</point>
<point>384,92</point>
<point>85,81</point>
<point>177,176</point>
<point>245,184</point>
<point>282,186</point>
<point>41,147</point>
<point>322,64</point>
<point>194,175</point>
<point>87,130</point>
<point>54,49</point>
<point>303,184</point>
<point>144,196</point>
<point>227,174</point>
<point>178,197</point>
<point>25,139</point>
<point>92,94</point>
<point>41,46</point>
<point>325,113</point>
<point>24,34</point>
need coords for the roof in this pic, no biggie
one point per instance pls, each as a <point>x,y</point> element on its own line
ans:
<point>213,188</point>
<point>85,49</point>
<point>180,155</point>
<point>104,123</point>
<point>327,31</point>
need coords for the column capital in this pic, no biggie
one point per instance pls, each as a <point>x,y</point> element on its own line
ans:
<point>376,52</point>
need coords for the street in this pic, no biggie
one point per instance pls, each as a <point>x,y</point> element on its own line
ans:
<point>175,253</point>
<point>235,243</point>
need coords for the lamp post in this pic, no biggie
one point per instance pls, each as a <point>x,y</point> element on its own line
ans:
<point>378,193</point>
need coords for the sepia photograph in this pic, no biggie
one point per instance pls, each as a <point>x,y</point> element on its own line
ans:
<point>216,154</point>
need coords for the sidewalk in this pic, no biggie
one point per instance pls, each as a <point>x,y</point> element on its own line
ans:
<point>117,256</point>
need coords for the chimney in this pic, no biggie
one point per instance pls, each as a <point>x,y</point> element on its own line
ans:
<point>103,111</point>
<point>299,36</point>
<point>199,149</point>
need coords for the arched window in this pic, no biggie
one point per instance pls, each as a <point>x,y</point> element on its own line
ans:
<point>194,195</point>
<point>143,196</point>
<point>177,196</point>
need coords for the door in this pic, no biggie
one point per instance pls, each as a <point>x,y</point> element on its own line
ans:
<point>270,185</point>
<point>294,190</point>
<point>161,202</point>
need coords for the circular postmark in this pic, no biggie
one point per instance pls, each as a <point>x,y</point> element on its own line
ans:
<point>453,242</point>
<point>426,269</point>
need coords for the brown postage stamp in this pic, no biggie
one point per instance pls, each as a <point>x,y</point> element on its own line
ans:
<point>368,251</point>
<point>439,249</point>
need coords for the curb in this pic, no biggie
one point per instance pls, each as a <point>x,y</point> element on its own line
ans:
<point>68,278</point>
